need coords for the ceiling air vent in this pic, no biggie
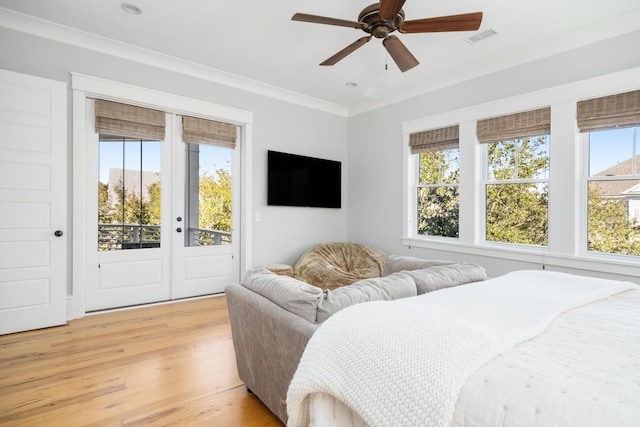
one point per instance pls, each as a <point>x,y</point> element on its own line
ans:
<point>482,36</point>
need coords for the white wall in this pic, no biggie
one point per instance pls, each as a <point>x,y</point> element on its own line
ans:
<point>282,234</point>
<point>376,145</point>
<point>371,142</point>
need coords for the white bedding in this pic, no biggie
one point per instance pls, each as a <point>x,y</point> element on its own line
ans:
<point>556,378</point>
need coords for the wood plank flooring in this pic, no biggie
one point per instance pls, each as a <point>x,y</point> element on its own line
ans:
<point>163,365</point>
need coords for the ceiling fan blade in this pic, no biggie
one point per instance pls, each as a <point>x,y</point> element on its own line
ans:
<point>464,22</point>
<point>400,54</point>
<point>346,51</point>
<point>304,17</point>
<point>389,9</point>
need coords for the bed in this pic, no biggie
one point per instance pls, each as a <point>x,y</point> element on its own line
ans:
<point>528,348</point>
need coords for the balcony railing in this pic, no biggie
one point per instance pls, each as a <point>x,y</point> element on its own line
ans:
<point>205,237</point>
<point>134,236</point>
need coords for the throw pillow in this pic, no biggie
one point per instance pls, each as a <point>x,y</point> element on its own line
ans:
<point>291,294</point>
<point>444,276</point>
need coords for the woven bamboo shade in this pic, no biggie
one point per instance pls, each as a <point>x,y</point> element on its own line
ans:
<point>608,112</point>
<point>114,118</point>
<point>202,131</point>
<point>434,140</point>
<point>518,125</point>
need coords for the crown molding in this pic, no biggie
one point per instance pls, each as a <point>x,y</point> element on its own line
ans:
<point>584,36</point>
<point>71,36</point>
<point>591,34</point>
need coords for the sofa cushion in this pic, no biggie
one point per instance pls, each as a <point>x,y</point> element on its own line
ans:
<point>332,265</point>
<point>397,263</point>
<point>447,275</point>
<point>289,293</point>
<point>397,285</point>
<point>280,269</point>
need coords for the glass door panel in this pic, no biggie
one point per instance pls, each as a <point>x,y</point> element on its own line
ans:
<point>129,184</point>
<point>208,195</point>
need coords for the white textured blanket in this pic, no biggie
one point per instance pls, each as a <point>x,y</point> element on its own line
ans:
<point>404,362</point>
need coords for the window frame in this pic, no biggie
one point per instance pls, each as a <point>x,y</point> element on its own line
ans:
<point>567,200</point>
<point>586,178</point>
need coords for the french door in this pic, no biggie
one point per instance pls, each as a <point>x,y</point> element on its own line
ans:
<point>164,217</point>
<point>206,254</point>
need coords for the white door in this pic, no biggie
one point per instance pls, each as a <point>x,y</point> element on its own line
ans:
<point>33,202</point>
<point>206,211</point>
<point>129,236</point>
<point>182,256</point>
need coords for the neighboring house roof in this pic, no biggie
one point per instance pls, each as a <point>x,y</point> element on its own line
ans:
<point>132,181</point>
<point>633,191</point>
<point>622,187</point>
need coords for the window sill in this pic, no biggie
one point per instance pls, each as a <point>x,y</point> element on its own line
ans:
<point>603,263</point>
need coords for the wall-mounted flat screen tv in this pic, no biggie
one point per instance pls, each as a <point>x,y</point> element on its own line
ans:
<point>295,180</point>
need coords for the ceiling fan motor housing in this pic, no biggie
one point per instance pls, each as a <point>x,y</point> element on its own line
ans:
<point>375,25</point>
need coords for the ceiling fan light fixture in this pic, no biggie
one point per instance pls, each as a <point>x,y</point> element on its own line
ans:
<point>380,31</point>
<point>131,9</point>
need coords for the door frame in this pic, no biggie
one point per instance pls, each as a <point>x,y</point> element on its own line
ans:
<point>83,87</point>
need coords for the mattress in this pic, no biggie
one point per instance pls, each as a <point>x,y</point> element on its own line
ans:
<point>583,370</point>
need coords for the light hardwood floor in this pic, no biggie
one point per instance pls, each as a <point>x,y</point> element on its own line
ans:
<point>162,365</point>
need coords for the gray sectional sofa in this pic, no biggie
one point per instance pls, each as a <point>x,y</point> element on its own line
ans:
<point>273,316</point>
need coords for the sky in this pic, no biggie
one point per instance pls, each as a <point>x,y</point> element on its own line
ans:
<point>110,153</point>
<point>607,148</point>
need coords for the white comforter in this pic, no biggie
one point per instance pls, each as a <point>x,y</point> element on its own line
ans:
<point>405,362</point>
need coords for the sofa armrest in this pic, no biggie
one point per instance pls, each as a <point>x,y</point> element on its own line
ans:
<point>269,342</point>
<point>396,263</point>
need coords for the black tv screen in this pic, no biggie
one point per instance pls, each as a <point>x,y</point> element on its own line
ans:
<point>295,180</point>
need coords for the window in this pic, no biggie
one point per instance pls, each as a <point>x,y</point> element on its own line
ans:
<point>517,177</point>
<point>438,176</point>
<point>517,193</point>
<point>208,195</point>
<point>530,191</point>
<point>611,125</point>
<point>128,193</point>
<point>613,191</point>
<point>438,199</point>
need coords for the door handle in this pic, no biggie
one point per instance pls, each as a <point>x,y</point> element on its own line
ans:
<point>58,233</point>
<point>179,230</point>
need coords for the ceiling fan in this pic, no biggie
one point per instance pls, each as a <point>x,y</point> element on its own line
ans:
<point>381,19</point>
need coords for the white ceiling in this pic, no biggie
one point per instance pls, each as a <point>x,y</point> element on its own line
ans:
<point>257,40</point>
